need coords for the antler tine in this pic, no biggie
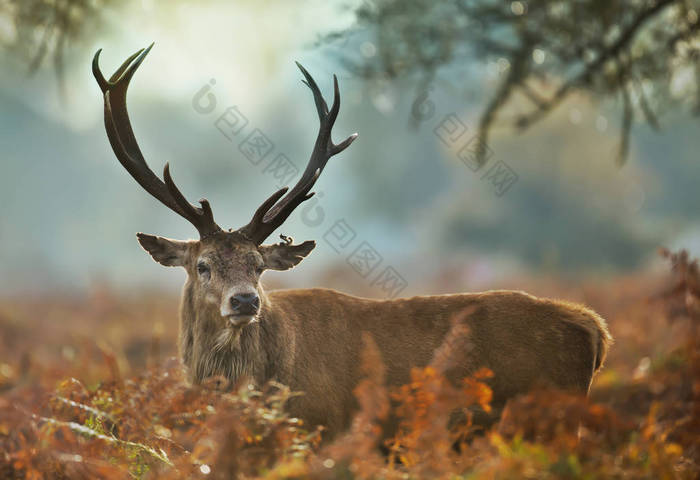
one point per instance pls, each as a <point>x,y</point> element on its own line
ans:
<point>127,151</point>
<point>324,149</point>
<point>256,223</point>
<point>202,218</point>
<point>258,229</point>
<point>321,105</point>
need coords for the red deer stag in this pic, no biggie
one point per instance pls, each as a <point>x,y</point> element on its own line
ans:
<point>311,339</point>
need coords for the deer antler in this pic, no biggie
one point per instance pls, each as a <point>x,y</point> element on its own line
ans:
<point>272,213</point>
<point>123,141</point>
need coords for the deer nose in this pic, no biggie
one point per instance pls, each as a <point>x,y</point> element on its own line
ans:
<point>245,303</point>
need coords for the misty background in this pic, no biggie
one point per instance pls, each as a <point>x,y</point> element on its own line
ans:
<point>70,210</point>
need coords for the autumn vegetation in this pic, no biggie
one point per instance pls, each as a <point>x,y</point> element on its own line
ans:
<point>90,388</point>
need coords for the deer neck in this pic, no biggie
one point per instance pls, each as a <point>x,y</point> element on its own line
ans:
<point>210,348</point>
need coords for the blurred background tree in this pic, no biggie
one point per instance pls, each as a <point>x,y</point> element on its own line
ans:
<point>644,53</point>
<point>44,30</point>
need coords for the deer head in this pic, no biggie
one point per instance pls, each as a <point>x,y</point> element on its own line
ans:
<point>223,267</point>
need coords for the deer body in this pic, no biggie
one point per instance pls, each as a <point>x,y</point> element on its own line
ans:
<point>311,339</point>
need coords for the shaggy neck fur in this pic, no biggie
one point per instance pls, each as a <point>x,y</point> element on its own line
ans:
<point>210,347</point>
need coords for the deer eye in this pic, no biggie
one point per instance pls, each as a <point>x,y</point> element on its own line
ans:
<point>202,268</point>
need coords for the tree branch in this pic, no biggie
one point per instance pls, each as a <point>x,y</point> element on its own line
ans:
<point>584,77</point>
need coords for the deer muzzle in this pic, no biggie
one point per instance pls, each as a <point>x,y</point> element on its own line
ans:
<point>241,308</point>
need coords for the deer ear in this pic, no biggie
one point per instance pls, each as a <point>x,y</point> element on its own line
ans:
<point>171,253</point>
<point>284,256</point>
